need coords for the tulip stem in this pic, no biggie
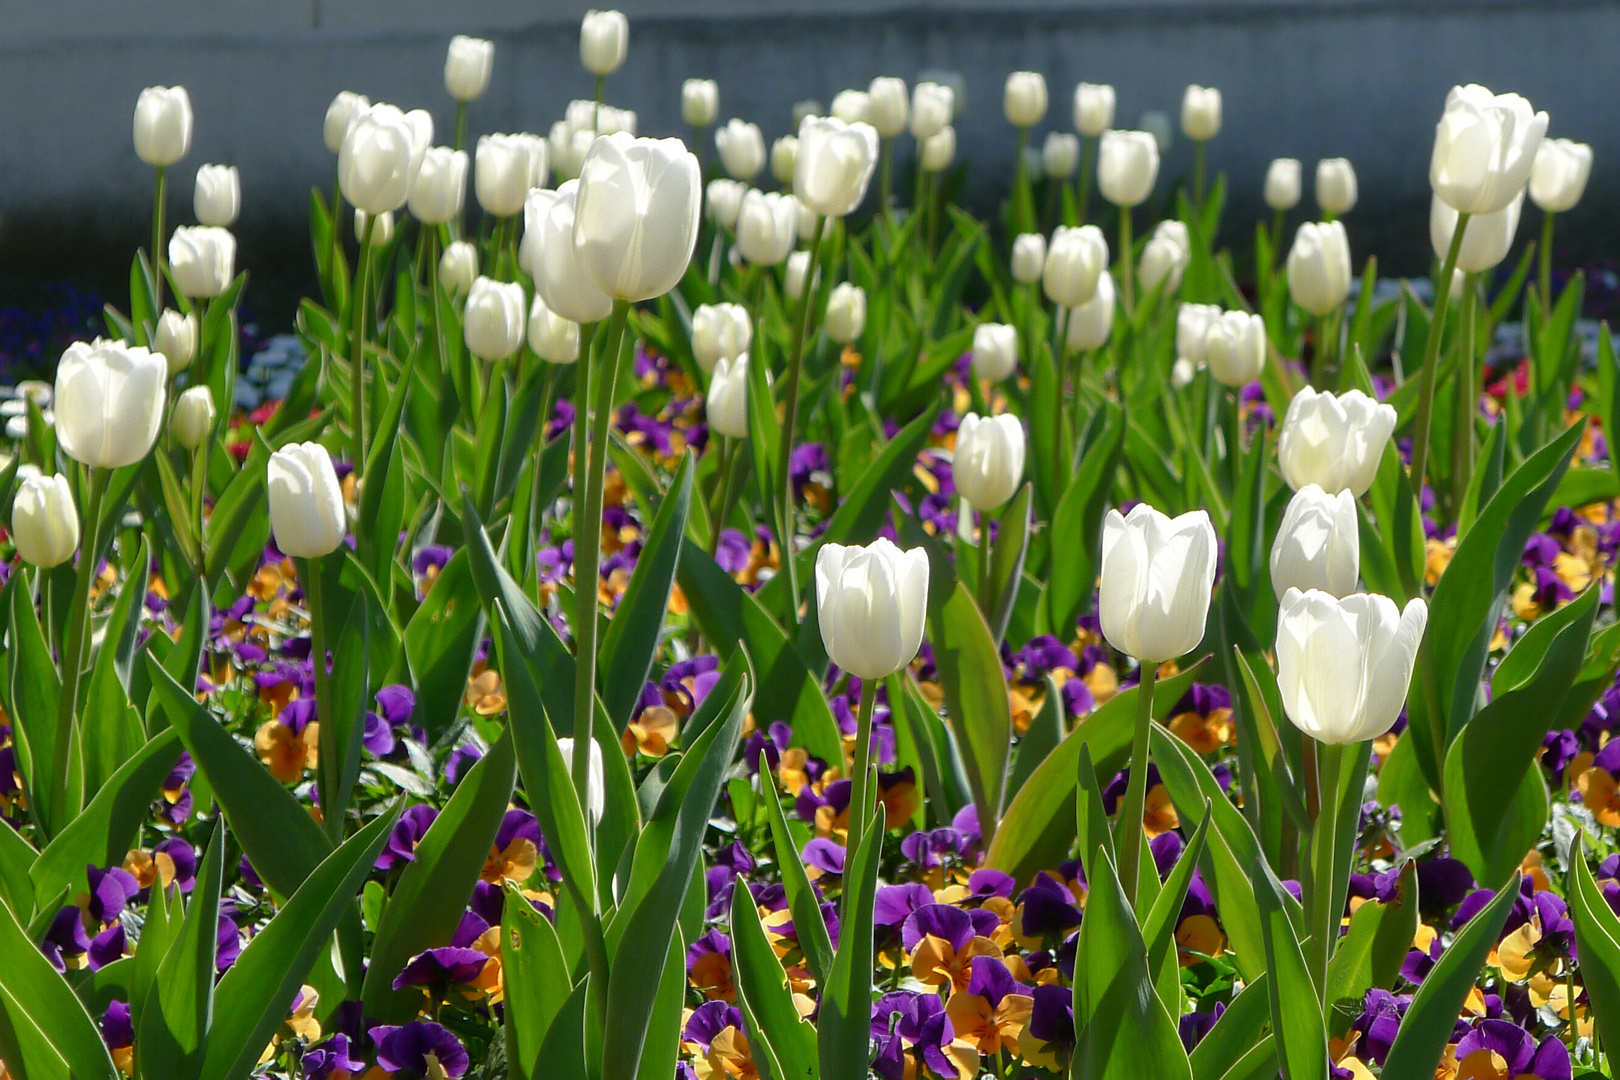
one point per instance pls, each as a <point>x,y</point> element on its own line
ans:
<point>1431,358</point>
<point>461,124</point>
<point>1088,152</point>
<point>722,492</point>
<point>329,776</point>
<point>1462,435</point>
<point>1544,257</point>
<point>1061,316</point>
<point>1320,361</point>
<point>157,242</point>
<point>1277,219</point>
<point>861,779</point>
<point>335,245</point>
<point>790,400</point>
<point>55,814</point>
<point>1198,176</point>
<point>1130,820</point>
<point>1127,279</point>
<point>199,486</point>
<point>885,167</point>
<point>357,351</point>
<point>1022,212</point>
<point>1324,841</point>
<point>984,558</point>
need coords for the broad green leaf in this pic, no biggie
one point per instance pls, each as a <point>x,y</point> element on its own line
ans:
<point>1371,951</point>
<point>440,642</point>
<point>1296,1011</point>
<point>350,688</point>
<point>802,901</point>
<point>976,702</point>
<point>1597,936</point>
<point>17,856</point>
<point>45,1031</point>
<point>780,1035</point>
<point>1159,929</point>
<point>112,727</point>
<point>1042,736</point>
<point>535,975</point>
<point>663,1032</point>
<point>1234,1033</point>
<point>1077,524</point>
<point>180,1003</point>
<point>1007,562</point>
<point>35,692</point>
<point>843,1027</point>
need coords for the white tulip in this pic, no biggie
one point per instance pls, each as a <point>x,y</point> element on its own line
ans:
<point>804,110</point>
<point>1060,156</point>
<point>217,195</point>
<point>846,313</point>
<point>870,603</point>
<point>193,417</point>
<point>1028,258</point>
<point>784,153</point>
<point>1075,260</point>
<point>1235,348</point>
<point>441,186</point>
<point>595,783</point>
<point>1201,113</point>
<point>989,459</point>
<point>1344,666</point>
<point>995,351</point>
<point>380,235</point>
<point>1283,183</point>
<point>493,322</point>
<point>1182,373</point>
<point>722,201</point>
<point>1024,98</point>
<point>458,267</point>
<point>604,38</point>
<point>1335,186</point>
<point>935,153</point>
<point>501,173</point>
<point>1093,108</point>
<point>162,125</point>
<point>467,65</point>
<point>852,106</point>
<point>798,265</point>
<point>340,114</point>
<point>307,514</point>
<point>726,404</point>
<point>1157,573</point>
<point>1558,177</point>
<point>700,102</point>
<point>553,338</point>
<point>109,402</point>
<point>176,338</point>
<point>890,108</point>
<point>720,332</point>
<point>742,148</point>
<point>1333,441</point>
<point>636,218</point>
<point>202,260</point>
<point>1192,330</point>
<point>767,227</point>
<point>1484,148</point>
<point>933,106</point>
<point>1090,324</point>
<point>44,521</point>
<point>1165,257</point>
<point>1485,243</point>
<point>1127,166</point>
<point>1318,544</point>
<point>536,205</point>
<point>834,165</point>
<point>378,162</point>
<point>1319,266</point>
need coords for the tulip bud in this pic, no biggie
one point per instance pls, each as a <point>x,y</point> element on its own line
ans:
<point>1558,177</point>
<point>1484,148</point>
<point>1343,666</point>
<point>176,338</point>
<point>1192,330</point>
<point>798,265</point>
<point>501,174</point>
<point>1074,262</point>
<point>1024,99</point>
<point>217,197</point>
<point>441,186</point>
<point>1318,545</point>
<point>834,165</point>
<point>377,162</point>
<point>458,266</point>
<point>846,313</point>
<point>1333,441</point>
<point>804,110</point>
<point>1157,573</point>
<point>109,402</point>
<point>467,66</point>
<point>420,121</point>
<point>553,338</point>
<point>726,405</point>
<point>380,235</point>
<point>1201,113</point>
<point>306,503</point>
<point>870,603</point>
<point>604,37</point>
<point>202,260</point>
<point>1235,348</point>
<point>1182,373</point>
<point>595,785</point>
<point>340,114</point>
<point>193,417</point>
<point>995,351</point>
<point>932,109</point>
<point>1061,155</point>
<point>742,149</point>
<point>852,106</point>
<point>568,146</point>
<point>1165,257</point>
<point>44,521</point>
<point>767,227</point>
<point>935,153</point>
<point>1093,108</point>
<point>536,204</point>
<point>720,332</point>
<point>1335,186</point>
<point>700,102</point>
<point>1090,324</point>
<point>722,201</point>
<point>636,217</point>
<point>493,321</point>
<point>1028,258</point>
<point>1127,166</point>
<point>890,108</point>
<point>989,459</point>
<point>1459,279</point>
<point>1282,183</point>
<point>784,152</point>
<point>1319,267</point>
<point>1487,240</point>
<point>162,125</point>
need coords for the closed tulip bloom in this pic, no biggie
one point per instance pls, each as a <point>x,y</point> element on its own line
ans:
<point>501,174</point>
<point>1165,256</point>
<point>202,260</point>
<point>784,153</point>
<point>870,602</point>
<point>995,351</point>
<point>933,107</point>
<point>852,107</point>
<point>1484,148</point>
<point>726,404</point>
<point>380,235</point>
<point>568,147</point>
<point>467,66</point>
<point>604,38</point>
<point>1157,573</point>
<point>595,783</point>
<point>935,153</point>
<point>536,204</point>
<point>700,101</point>
<point>493,320</point>
<point>1093,108</point>
<point>176,338</point>
<point>1487,240</point>
<point>742,148</point>
<point>377,162</point>
<point>44,521</point>
<point>798,265</point>
<point>1335,185</point>
<point>458,267</point>
<point>846,313</point>
<point>1333,441</point>
<point>767,227</point>
<point>1558,177</point>
<point>1201,113</point>
<point>217,197</point>
<point>162,125</point>
<point>1028,258</point>
<point>890,108</point>
<point>420,121</point>
<point>834,165</point>
<point>722,201</point>
<point>1318,545</point>
<point>989,459</point>
<point>1343,666</point>
<point>1090,324</point>
<point>1074,262</point>
<point>720,332</point>
<point>1182,373</point>
<point>807,224</point>
<point>636,215</point>
<point>1235,348</point>
<point>1282,183</point>
<point>109,402</point>
<point>1060,156</point>
<point>1024,98</point>
<point>1319,266</point>
<point>1127,166</point>
<point>441,186</point>
<point>1192,330</point>
<point>340,114</point>
<point>553,338</point>
<point>193,417</point>
<point>306,504</point>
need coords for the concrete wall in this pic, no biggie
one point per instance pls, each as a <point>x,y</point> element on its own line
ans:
<point>1305,78</point>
